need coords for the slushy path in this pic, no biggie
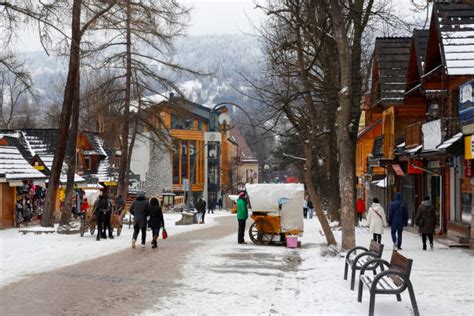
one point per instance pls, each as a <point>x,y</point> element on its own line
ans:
<point>124,283</point>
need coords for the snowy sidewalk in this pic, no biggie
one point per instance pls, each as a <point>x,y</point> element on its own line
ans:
<point>222,277</point>
<point>22,255</point>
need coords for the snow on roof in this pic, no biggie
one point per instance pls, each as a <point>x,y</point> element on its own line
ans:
<point>103,171</point>
<point>456,26</point>
<point>14,167</point>
<point>450,141</point>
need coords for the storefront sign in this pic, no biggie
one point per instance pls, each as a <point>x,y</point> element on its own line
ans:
<point>469,147</point>
<point>398,170</point>
<point>431,135</point>
<point>110,183</point>
<point>468,164</point>
<point>417,163</point>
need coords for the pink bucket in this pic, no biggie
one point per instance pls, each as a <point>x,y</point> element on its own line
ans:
<point>292,241</point>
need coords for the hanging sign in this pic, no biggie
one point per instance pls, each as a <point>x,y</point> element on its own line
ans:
<point>468,168</point>
<point>411,169</point>
<point>469,147</point>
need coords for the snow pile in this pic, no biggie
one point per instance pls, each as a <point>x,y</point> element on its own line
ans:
<point>22,255</point>
<point>222,277</point>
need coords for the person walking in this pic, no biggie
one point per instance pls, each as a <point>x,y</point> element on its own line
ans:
<point>212,206</point>
<point>219,203</point>
<point>310,208</point>
<point>242,215</point>
<point>305,207</point>
<point>201,208</point>
<point>360,209</point>
<point>397,219</point>
<point>426,221</point>
<point>376,220</point>
<point>140,209</point>
<point>156,220</point>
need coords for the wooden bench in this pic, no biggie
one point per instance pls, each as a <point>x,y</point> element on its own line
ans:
<point>394,280</point>
<point>358,256</point>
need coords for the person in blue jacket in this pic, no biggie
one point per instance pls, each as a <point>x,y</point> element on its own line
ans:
<point>397,219</point>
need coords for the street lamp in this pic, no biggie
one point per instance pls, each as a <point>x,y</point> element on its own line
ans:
<point>224,120</point>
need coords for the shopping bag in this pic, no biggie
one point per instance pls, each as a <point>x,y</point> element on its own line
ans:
<point>164,234</point>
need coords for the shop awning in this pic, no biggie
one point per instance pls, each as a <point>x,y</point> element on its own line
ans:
<point>414,150</point>
<point>446,144</point>
<point>398,170</point>
<point>380,183</point>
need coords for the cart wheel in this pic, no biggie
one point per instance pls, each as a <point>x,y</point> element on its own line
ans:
<point>82,228</point>
<point>261,232</point>
<point>92,230</point>
<point>119,230</point>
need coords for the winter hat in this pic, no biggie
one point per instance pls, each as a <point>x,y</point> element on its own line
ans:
<point>242,194</point>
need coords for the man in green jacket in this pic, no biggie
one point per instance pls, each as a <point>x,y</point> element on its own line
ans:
<point>242,215</point>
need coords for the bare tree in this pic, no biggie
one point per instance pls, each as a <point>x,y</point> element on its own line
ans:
<point>138,46</point>
<point>14,89</point>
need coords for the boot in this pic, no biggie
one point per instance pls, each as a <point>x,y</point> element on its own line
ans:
<point>424,247</point>
<point>133,243</point>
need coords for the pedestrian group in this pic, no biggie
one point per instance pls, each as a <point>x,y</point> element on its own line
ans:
<point>397,219</point>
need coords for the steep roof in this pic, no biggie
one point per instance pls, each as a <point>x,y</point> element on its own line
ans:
<point>420,40</point>
<point>391,56</point>
<point>416,62</point>
<point>454,26</point>
<point>245,153</point>
<point>12,164</point>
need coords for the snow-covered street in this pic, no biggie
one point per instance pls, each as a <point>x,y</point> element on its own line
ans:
<point>22,255</point>
<point>223,277</point>
<point>218,276</point>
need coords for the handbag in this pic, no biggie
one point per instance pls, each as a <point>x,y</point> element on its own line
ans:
<point>164,234</point>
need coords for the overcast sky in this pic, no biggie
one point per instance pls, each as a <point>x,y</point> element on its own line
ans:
<point>211,17</point>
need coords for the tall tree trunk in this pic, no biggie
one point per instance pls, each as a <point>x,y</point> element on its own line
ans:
<point>346,167</point>
<point>314,197</point>
<point>69,91</point>
<point>71,156</point>
<point>124,163</point>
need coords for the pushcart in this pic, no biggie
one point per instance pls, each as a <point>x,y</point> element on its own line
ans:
<point>277,210</point>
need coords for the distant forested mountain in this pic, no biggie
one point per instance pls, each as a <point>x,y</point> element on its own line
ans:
<point>226,58</point>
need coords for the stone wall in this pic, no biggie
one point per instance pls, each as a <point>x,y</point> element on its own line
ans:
<point>159,177</point>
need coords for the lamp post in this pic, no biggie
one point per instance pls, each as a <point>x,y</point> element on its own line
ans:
<point>224,119</point>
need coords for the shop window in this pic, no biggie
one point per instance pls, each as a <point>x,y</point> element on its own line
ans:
<point>176,155</point>
<point>200,125</point>
<point>87,163</point>
<point>179,122</point>
<point>184,160</point>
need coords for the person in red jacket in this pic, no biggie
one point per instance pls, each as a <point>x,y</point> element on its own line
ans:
<point>84,206</point>
<point>360,209</point>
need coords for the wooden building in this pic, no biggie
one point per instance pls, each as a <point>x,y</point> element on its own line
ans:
<point>14,172</point>
<point>196,151</point>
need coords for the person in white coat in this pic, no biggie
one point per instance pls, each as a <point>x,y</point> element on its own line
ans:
<point>376,220</point>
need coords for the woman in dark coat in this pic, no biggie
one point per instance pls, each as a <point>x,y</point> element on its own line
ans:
<point>156,220</point>
<point>426,221</point>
